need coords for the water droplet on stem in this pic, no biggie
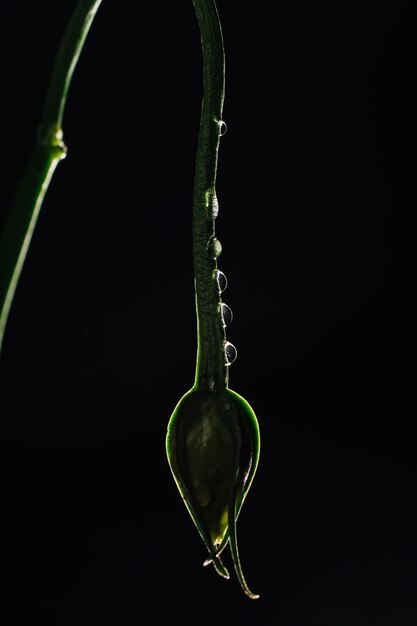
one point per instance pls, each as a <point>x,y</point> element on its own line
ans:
<point>221,280</point>
<point>222,128</point>
<point>214,247</point>
<point>226,313</point>
<point>230,353</point>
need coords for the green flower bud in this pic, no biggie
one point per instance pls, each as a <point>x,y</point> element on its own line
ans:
<point>213,449</point>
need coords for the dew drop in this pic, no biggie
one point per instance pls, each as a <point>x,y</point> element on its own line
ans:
<point>215,247</point>
<point>211,204</point>
<point>222,128</point>
<point>226,313</point>
<point>214,206</point>
<point>230,353</point>
<point>221,280</point>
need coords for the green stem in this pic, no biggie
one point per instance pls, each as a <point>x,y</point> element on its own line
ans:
<point>211,370</point>
<point>50,149</point>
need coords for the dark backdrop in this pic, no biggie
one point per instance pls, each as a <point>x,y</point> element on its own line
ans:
<point>317,194</point>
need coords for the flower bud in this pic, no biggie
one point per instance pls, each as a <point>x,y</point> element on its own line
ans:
<point>213,449</point>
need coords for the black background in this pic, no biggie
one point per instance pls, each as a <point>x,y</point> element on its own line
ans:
<point>317,194</point>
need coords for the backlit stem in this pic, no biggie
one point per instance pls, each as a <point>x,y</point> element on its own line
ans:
<point>50,149</point>
<point>211,371</point>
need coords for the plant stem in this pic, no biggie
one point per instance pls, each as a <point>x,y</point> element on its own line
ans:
<point>49,150</point>
<point>211,371</point>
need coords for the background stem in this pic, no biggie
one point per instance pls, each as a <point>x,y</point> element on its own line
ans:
<point>50,149</point>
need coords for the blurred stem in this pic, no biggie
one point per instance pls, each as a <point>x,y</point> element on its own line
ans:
<point>49,150</point>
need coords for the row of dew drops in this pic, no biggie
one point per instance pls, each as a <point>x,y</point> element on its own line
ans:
<point>230,352</point>
<point>226,315</point>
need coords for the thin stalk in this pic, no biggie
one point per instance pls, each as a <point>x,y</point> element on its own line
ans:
<point>49,150</point>
<point>211,371</point>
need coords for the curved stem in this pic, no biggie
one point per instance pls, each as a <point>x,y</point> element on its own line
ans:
<point>50,149</point>
<point>66,61</point>
<point>211,371</point>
